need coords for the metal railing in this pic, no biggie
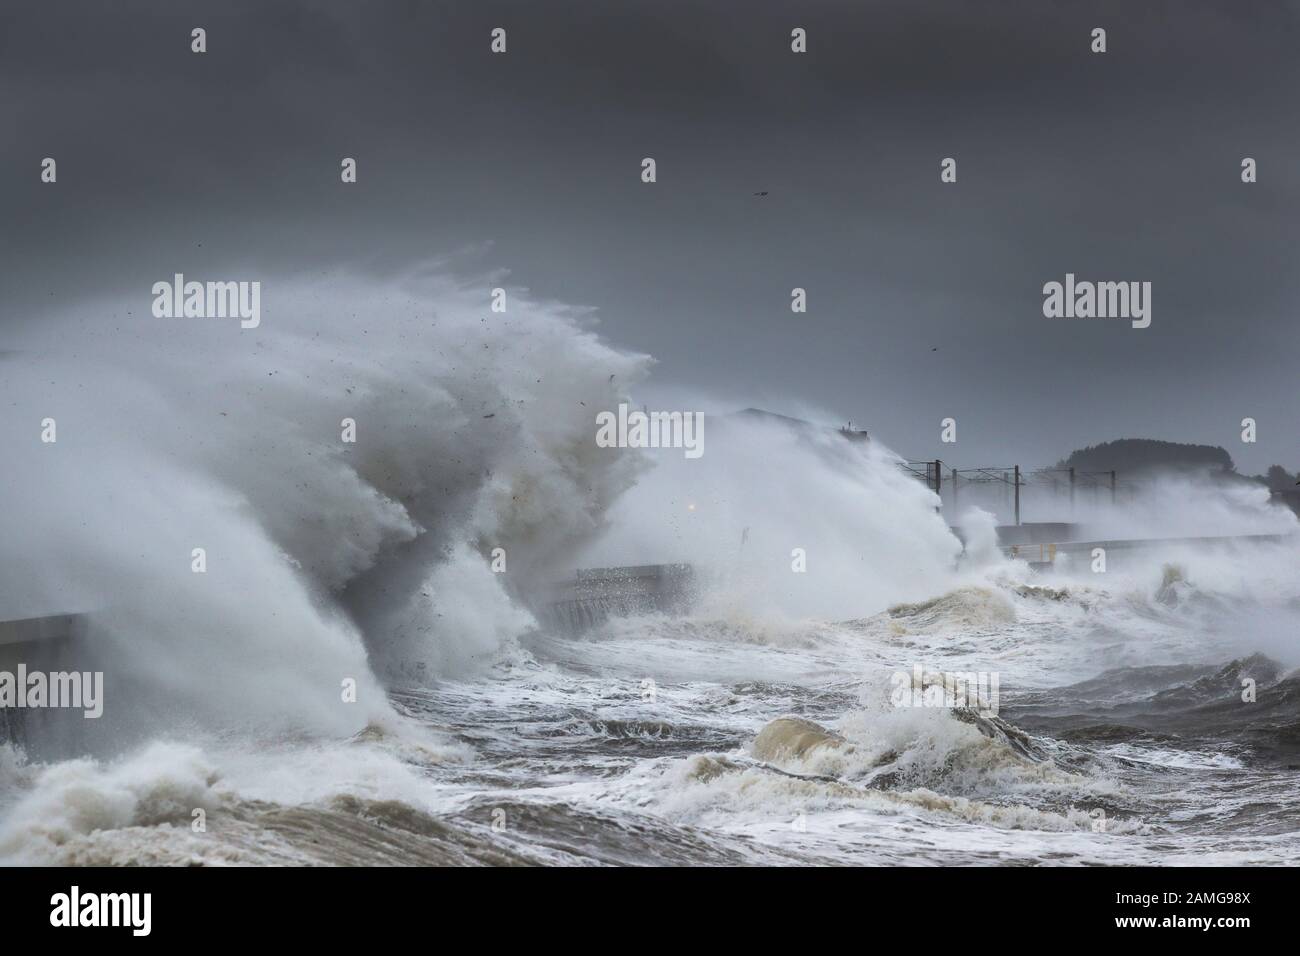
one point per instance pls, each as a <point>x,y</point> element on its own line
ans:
<point>1011,476</point>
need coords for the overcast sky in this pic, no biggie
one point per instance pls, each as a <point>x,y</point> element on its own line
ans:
<point>1119,166</point>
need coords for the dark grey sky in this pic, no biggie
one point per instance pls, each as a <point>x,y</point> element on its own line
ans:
<point>1117,166</point>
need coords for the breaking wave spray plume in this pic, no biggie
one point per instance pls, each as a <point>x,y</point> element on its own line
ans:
<point>473,431</point>
<point>329,561</point>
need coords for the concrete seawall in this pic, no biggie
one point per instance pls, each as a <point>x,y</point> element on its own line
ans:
<point>594,595</point>
<point>1044,553</point>
<point>40,643</point>
<point>27,635</point>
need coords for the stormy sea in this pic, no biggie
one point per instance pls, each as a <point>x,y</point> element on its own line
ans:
<point>372,667</point>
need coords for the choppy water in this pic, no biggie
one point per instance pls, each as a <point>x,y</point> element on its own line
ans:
<point>478,737</point>
<point>1126,741</point>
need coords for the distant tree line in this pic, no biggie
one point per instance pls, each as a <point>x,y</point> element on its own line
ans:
<point>1130,455</point>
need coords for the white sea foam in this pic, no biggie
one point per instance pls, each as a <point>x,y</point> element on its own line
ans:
<point>371,561</point>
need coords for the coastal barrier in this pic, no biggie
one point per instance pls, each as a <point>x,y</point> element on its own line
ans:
<point>1044,554</point>
<point>36,642</point>
<point>593,595</point>
<point>22,638</point>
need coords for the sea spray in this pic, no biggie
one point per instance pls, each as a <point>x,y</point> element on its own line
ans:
<point>786,520</point>
<point>470,434</point>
